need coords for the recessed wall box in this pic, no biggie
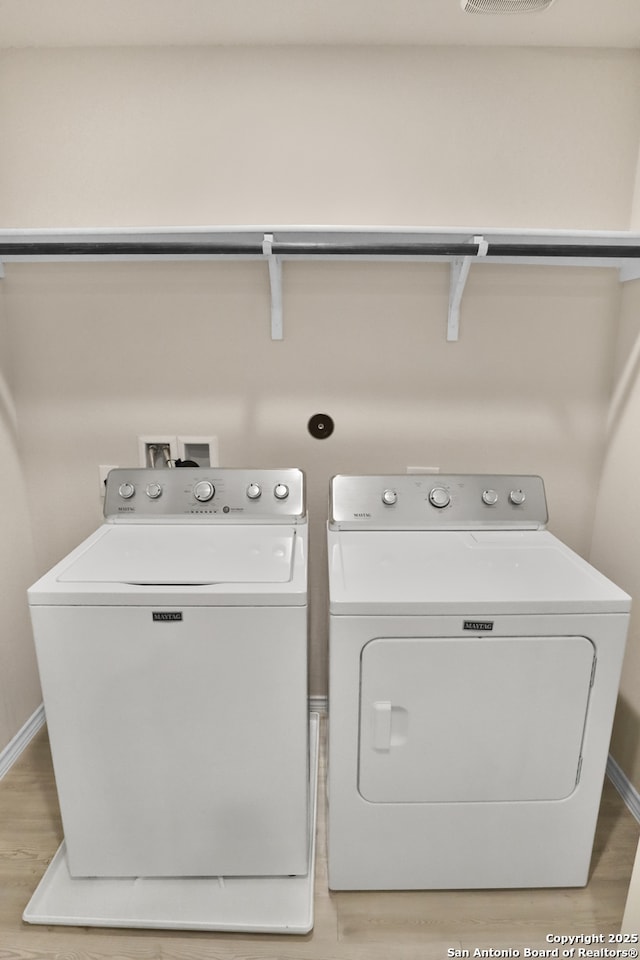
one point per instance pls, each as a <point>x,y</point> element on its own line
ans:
<point>157,450</point>
<point>201,450</point>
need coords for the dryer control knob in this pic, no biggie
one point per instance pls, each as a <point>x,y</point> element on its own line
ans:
<point>126,490</point>
<point>440,497</point>
<point>389,497</point>
<point>204,490</point>
<point>517,497</point>
<point>254,491</point>
<point>154,490</point>
<point>281,491</point>
<point>490,497</point>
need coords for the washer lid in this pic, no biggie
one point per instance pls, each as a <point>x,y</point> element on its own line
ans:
<point>184,555</point>
<point>435,572</point>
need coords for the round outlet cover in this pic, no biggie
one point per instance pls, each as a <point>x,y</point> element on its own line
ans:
<point>320,426</point>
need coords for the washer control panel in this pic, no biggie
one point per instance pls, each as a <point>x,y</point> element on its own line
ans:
<point>437,502</point>
<point>212,494</point>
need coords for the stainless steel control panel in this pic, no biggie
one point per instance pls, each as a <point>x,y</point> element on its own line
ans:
<point>213,494</point>
<point>437,502</point>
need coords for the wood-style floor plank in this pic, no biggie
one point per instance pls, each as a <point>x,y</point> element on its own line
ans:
<point>415,925</point>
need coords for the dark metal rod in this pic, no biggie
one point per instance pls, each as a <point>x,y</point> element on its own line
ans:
<point>594,251</point>
<point>569,250</point>
<point>79,248</point>
<point>376,249</point>
<point>169,248</point>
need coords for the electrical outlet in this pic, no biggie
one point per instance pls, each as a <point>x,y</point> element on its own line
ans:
<point>155,449</point>
<point>423,469</point>
<point>103,473</point>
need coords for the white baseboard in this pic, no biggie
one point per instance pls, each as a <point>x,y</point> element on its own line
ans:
<point>21,740</point>
<point>624,787</point>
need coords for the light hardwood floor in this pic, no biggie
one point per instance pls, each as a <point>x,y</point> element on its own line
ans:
<point>348,926</point>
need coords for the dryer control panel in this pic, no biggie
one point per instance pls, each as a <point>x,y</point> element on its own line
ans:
<point>437,502</point>
<point>212,494</point>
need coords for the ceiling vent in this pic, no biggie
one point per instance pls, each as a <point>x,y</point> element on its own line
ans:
<point>505,6</point>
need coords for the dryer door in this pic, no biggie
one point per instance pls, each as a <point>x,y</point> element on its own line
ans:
<point>472,719</point>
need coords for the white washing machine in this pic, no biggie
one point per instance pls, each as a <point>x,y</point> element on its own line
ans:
<point>474,670</point>
<point>172,648</point>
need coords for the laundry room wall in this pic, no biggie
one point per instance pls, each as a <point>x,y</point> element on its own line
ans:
<point>104,352</point>
<point>19,689</point>
<point>347,135</point>
<point>616,538</point>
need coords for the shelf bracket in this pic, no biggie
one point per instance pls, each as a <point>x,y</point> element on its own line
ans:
<point>458,278</point>
<point>275,281</point>
<point>630,271</point>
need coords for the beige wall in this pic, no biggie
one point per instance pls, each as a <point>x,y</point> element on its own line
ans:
<point>19,690</point>
<point>616,539</point>
<point>524,137</point>
<point>102,353</point>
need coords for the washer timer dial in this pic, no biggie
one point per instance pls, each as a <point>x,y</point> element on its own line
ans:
<point>204,491</point>
<point>440,497</point>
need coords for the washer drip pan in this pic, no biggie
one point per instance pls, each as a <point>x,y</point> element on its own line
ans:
<point>238,904</point>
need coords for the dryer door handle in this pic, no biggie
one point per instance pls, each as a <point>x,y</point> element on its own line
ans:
<point>382,725</point>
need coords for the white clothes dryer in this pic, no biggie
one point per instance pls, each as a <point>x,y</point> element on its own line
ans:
<point>474,670</point>
<point>172,649</point>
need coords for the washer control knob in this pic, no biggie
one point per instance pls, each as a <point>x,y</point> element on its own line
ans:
<point>126,490</point>
<point>440,497</point>
<point>517,497</point>
<point>154,490</point>
<point>281,491</point>
<point>490,497</point>
<point>389,497</point>
<point>254,491</point>
<point>204,490</point>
